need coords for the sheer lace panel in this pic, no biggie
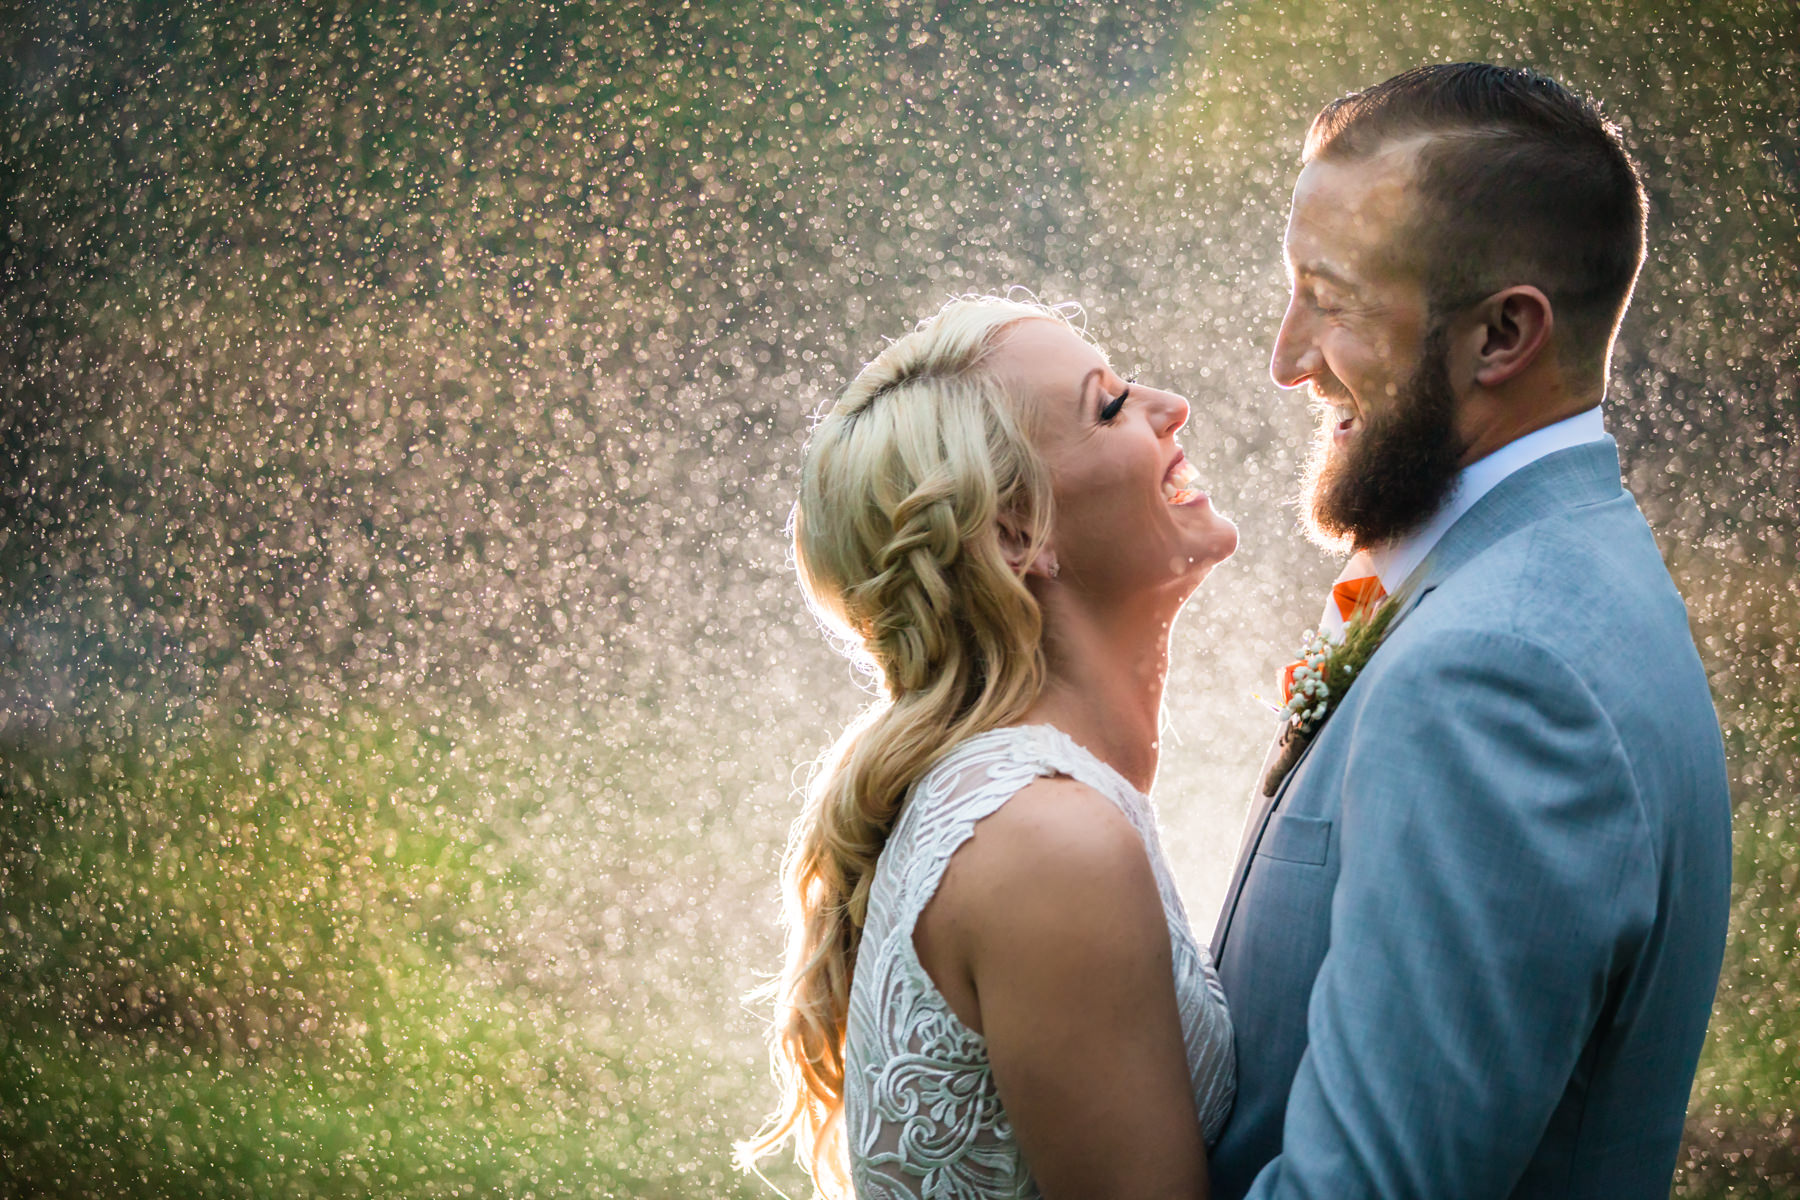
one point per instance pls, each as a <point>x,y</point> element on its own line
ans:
<point>921,1113</point>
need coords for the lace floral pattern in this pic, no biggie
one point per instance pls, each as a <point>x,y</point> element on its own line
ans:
<point>922,1115</point>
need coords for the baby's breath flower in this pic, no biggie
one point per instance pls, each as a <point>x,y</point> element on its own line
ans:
<point>1323,658</point>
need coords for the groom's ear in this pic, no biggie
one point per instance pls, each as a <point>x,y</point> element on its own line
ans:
<point>1513,330</point>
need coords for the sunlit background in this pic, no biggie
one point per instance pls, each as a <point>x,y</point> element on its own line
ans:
<point>403,684</point>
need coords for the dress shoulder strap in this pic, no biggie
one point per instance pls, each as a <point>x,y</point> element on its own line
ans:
<point>941,812</point>
<point>971,783</point>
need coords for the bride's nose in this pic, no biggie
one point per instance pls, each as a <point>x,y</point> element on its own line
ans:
<point>1172,413</point>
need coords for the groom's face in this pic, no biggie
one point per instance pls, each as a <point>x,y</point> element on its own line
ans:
<point>1359,336</point>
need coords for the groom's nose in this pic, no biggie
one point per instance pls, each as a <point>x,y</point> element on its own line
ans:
<point>1296,355</point>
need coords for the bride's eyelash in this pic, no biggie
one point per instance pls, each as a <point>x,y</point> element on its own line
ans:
<point>1117,402</point>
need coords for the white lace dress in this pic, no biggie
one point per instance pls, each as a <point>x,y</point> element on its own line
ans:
<point>921,1115</point>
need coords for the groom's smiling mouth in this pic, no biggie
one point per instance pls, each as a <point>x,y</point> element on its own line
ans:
<point>1337,410</point>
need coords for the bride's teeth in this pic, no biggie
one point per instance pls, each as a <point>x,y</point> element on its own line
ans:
<point>1178,485</point>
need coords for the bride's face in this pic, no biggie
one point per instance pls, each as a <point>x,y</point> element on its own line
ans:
<point>1129,513</point>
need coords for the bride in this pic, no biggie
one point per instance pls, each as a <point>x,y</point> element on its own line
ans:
<point>991,986</point>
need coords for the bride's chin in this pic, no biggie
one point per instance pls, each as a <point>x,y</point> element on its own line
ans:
<point>1228,540</point>
<point>1220,544</point>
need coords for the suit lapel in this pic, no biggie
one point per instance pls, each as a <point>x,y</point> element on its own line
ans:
<point>1572,478</point>
<point>1261,808</point>
<point>1568,479</point>
<point>1263,805</point>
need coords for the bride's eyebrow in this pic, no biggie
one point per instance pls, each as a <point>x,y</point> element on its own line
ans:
<point>1087,381</point>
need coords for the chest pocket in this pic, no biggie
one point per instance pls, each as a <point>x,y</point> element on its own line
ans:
<point>1296,839</point>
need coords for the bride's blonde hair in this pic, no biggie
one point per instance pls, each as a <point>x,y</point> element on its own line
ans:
<point>897,534</point>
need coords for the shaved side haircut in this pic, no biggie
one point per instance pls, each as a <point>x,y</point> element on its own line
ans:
<point>1519,181</point>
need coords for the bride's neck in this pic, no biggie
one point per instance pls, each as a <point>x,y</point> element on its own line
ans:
<point>1105,684</point>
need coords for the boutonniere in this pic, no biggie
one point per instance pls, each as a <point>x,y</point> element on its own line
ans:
<point>1315,683</point>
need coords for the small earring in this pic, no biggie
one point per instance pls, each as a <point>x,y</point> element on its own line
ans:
<point>1055,568</point>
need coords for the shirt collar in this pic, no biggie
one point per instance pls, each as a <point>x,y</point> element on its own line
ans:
<point>1396,560</point>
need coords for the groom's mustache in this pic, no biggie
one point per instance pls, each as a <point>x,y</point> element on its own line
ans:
<point>1326,391</point>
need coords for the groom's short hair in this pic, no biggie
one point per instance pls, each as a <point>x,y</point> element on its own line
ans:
<point>1519,181</point>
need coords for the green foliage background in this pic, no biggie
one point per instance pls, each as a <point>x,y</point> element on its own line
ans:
<point>401,680</point>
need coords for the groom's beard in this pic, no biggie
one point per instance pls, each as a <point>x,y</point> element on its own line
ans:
<point>1397,470</point>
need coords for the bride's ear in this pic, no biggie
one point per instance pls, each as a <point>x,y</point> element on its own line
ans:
<point>1015,544</point>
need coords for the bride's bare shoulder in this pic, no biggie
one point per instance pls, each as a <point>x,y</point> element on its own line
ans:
<point>1054,823</point>
<point>1056,875</point>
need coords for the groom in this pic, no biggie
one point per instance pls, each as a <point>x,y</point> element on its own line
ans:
<point>1473,937</point>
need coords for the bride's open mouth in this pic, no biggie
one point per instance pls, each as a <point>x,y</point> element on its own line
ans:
<point>1181,484</point>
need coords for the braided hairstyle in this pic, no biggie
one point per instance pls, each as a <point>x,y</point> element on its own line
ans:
<point>897,535</point>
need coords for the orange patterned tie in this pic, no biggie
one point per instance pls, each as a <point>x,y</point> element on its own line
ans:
<point>1357,597</point>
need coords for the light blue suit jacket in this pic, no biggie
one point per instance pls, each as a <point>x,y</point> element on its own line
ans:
<point>1472,941</point>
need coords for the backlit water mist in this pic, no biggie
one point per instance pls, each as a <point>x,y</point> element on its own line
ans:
<point>403,684</point>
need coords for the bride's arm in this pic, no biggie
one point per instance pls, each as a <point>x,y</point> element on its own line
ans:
<point>1047,935</point>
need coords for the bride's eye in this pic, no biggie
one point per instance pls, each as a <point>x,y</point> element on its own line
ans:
<point>1114,405</point>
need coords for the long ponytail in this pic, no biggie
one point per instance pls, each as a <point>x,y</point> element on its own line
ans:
<point>897,534</point>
